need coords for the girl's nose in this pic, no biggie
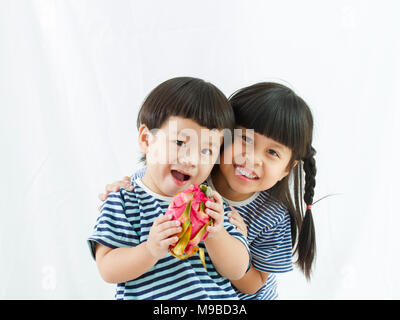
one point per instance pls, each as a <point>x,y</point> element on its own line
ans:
<point>251,160</point>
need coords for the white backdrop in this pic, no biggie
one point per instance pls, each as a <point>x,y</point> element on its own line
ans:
<point>74,73</point>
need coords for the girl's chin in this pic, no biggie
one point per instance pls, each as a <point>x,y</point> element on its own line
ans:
<point>243,185</point>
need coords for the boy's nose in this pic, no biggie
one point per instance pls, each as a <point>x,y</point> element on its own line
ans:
<point>190,156</point>
<point>188,160</point>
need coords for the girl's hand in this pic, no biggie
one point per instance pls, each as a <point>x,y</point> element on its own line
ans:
<point>162,234</point>
<point>236,219</point>
<point>216,211</point>
<point>115,186</point>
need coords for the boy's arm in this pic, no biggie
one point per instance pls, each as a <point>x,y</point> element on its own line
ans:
<point>123,264</point>
<point>127,263</point>
<point>229,255</point>
<point>254,279</point>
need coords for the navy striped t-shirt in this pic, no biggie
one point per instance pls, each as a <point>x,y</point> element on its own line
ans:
<point>125,221</point>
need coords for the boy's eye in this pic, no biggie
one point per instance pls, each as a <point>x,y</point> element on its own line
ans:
<point>180,143</point>
<point>206,152</point>
<point>247,139</point>
<point>273,153</point>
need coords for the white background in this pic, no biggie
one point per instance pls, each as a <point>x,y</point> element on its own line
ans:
<point>74,73</point>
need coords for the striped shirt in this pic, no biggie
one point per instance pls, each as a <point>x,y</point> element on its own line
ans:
<point>125,221</point>
<point>269,237</point>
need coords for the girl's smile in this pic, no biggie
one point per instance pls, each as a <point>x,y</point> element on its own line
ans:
<point>245,174</point>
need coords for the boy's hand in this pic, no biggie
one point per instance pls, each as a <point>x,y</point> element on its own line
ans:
<point>162,234</point>
<point>216,211</point>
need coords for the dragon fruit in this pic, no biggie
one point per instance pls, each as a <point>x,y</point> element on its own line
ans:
<point>188,207</point>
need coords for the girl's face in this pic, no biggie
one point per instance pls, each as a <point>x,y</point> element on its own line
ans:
<point>253,162</point>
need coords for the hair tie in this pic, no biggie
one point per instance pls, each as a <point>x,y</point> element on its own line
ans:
<point>309,207</point>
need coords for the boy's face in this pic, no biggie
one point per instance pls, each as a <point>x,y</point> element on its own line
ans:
<point>253,162</point>
<point>178,154</point>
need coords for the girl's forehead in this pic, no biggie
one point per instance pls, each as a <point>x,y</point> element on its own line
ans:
<point>262,139</point>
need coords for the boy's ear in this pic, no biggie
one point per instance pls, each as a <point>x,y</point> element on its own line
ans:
<point>144,138</point>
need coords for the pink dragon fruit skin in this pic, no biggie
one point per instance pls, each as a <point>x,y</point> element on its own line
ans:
<point>188,207</point>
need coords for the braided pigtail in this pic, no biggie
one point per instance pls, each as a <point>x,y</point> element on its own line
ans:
<point>306,245</point>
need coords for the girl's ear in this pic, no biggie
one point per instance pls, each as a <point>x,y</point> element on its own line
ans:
<point>287,171</point>
<point>144,138</point>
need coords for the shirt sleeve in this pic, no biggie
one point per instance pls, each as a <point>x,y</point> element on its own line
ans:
<point>272,249</point>
<point>113,228</point>
<point>139,173</point>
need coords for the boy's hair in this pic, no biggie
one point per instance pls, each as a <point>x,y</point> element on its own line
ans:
<point>190,98</point>
<point>275,111</point>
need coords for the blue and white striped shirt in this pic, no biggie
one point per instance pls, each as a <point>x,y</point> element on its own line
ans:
<point>125,221</point>
<point>269,237</point>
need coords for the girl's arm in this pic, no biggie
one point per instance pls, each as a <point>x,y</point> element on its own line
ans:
<point>228,254</point>
<point>125,264</point>
<point>251,282</point>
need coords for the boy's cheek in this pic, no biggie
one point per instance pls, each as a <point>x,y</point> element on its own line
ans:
<point>203,172</point>
<point>157,154</point>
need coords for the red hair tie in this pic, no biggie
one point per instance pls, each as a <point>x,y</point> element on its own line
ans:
<point>308,207</point>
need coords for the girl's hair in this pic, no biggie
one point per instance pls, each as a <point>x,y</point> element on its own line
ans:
<point>190,98</point>
<point>277,112</point>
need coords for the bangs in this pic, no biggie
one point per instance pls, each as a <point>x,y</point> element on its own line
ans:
<point>276,112</point>
<point>188,98</point>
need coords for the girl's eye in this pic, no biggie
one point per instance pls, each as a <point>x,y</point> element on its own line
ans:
<point>180,143</point>
<point>206,152</point>
<point>247,139</point>
<point>272,153</point>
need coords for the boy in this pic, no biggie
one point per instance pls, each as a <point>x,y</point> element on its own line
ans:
<point>132,235</point>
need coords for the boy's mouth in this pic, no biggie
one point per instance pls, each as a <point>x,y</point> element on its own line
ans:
<point>180,176</point>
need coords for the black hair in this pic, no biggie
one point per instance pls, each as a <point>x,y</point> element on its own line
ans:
<point>275,111</point>
<point>190,98</point>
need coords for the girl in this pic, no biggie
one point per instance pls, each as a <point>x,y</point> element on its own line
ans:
<point>253,176</point>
